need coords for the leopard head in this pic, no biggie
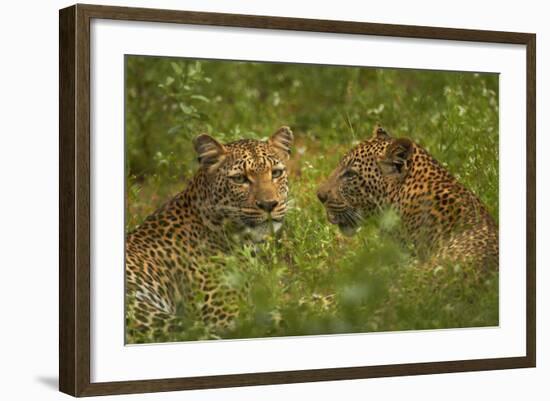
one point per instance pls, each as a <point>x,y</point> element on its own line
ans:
<point>358,187</point>
<point>245,183</point>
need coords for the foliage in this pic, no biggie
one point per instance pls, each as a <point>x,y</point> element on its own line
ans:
<point>310,279</point>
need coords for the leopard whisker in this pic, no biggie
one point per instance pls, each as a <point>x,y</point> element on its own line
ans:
<point>357,215</point>
<point>348,217</point>
<point>336,207</point>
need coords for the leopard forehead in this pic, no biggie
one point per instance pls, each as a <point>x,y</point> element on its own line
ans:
<point>252,155</point>
<point>368,150</point>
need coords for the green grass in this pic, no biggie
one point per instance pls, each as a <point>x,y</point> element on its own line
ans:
<point>310,279</point>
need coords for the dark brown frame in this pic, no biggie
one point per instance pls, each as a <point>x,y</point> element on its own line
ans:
<point>74,202</point>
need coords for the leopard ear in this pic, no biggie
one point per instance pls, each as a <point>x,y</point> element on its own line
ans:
<point>380,132</point>
<point>210,152</point>
<point>282,141</point>
<point>394,163</point>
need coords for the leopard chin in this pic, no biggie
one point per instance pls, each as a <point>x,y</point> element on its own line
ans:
<point>347,230</point>
<point>262,231</point>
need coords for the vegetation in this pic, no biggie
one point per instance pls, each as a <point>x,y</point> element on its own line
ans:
<point>310,279</point>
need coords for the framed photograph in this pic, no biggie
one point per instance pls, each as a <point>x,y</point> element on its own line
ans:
<point>250,200</point>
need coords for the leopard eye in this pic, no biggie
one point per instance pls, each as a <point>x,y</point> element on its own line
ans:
<point>276,173</point>
<point>349,174</point>
<point>239,179</point>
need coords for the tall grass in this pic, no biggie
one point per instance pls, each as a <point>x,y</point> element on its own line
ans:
<point>310,279</point>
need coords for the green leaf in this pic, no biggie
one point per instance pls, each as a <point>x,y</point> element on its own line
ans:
<point>186,109</point>
<point>201,98</point>
<point>177,68</point>
<point>174,130</point>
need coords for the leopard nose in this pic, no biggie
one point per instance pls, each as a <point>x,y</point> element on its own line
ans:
<point>268,206</point>
<point>322,195</point>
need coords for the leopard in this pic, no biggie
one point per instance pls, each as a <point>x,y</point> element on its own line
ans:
<point>441,220</point>
<point>175,274</point>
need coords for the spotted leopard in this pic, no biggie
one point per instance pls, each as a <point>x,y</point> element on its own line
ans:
<point>441,218</point>
<point>174,259</point>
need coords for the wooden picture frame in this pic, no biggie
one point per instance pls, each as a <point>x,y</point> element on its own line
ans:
<point>74,204</point>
